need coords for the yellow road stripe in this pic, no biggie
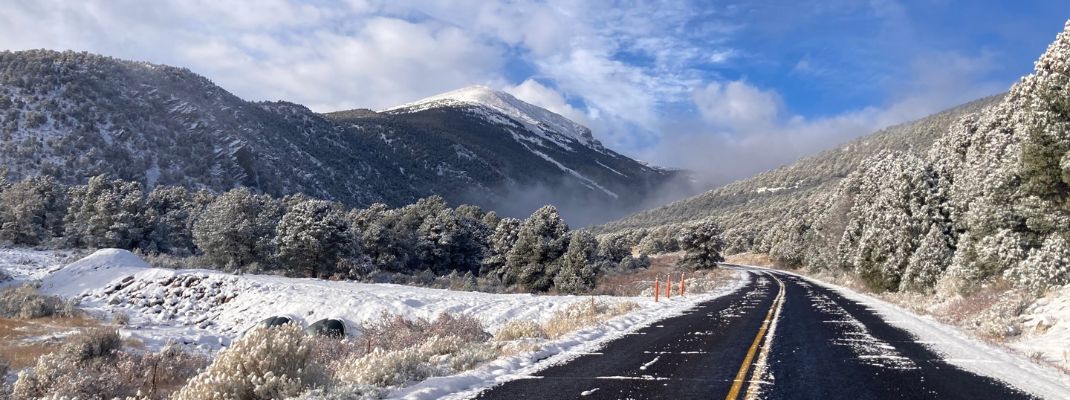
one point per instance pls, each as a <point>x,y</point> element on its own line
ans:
<point>737,384</point>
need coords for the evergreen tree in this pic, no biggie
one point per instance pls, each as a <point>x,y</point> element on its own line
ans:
<point>702,245</point>
<point>169,212</point>
<point>499,244</point>
<point>313,237</point>
<point>32,211</point>
<point>928,261</point>
<point>104,213</point>
<point>542,239</point>
<point>578,269</point>
<point>237,229</point>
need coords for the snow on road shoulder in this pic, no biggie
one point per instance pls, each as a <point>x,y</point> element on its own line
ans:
<point>1046,325</point>
<point>584,341</point>
<point>963,351</point>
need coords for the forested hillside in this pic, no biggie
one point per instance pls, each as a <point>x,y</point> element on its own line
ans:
<point>76,115</point>
<point>239,230</point>
<point>953,201</point>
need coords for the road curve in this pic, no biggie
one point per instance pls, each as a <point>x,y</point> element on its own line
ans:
<point>778,337</point>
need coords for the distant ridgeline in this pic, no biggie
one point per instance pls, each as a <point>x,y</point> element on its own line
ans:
<point>77,115</point>
<point>300,236</point>
<point>972,195</point>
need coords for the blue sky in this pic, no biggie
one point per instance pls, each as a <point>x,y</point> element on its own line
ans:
<point>728,88</point>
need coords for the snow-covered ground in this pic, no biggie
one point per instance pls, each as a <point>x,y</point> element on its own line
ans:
<point>1046,331</point>
<point>960,349</point>
<point>210,308</point>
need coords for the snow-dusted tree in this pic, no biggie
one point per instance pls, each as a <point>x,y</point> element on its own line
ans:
<point>499,245</point>
<point>578,268</point>
<point>31,211</point>
<point>1045,267</point>
<point>702,245</point>
<point>542,239</point>
<point>659,240</point>
<point>447,241</point>
<point>105,213</point>
<point>169,212</point>
<point>238,228</point>
<point>313,236</point>
<point>928,262</point>
<point>613,247</point>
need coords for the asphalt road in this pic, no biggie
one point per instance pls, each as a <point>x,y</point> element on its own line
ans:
<point>823,346</point>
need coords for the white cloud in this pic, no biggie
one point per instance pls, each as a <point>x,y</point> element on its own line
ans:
<point>746,130</point>
<point>737,106</point>
<point>538,94</point>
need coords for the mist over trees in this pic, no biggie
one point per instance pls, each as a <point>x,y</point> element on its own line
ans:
<point>243,231</point>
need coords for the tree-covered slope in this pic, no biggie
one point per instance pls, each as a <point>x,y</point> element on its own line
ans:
<point>989,199</point>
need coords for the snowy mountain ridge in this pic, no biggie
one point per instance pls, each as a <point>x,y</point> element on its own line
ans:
<point>536,119</point>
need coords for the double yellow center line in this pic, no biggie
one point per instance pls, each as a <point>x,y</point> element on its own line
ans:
<point>737,384</point>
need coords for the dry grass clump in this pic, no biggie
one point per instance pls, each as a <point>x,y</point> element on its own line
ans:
<point>582,314</point>
<point>404,350</point>
<point>25,302</point>
<point>519,329</point>
<point>437,355</point>
<point>268,363</point>
<point>991,311</point>
<point>392,331</point>
<point>93,365</point>
<point>94,343</point>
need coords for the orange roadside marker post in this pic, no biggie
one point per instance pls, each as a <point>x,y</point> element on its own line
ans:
<point>668,286</point>
<point>681,284</point>
<point>656,289</point>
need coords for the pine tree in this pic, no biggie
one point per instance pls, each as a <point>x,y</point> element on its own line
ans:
<point>169,212</point>
<point>702,245</point>
<point>105,213</point>
<point>542,239</point>
<point>237,229</point>
<point>499,244</point>
<point>313,237</point>
<point>578,269</point>
<point>928,262</point>
<point>31,211</point>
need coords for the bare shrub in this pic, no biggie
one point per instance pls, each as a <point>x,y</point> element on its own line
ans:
<point>94,343</point>
<point>25,302</point>
<point>991,311</point>
<point>268,363</point>
<point>582,314</point>
<point>4,276</point>
<point>519,329</point>
<point>83,369</point>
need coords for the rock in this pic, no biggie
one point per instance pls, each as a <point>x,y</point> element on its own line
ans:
<point>335,328</point>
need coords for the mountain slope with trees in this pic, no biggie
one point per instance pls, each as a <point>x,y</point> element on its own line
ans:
<point>76,115</point>
<point>954,201</point>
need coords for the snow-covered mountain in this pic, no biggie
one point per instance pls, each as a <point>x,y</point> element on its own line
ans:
<point>75,115</point>
<point>490,102</point>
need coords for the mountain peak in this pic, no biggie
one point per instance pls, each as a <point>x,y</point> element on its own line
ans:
<point>536,118</point>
